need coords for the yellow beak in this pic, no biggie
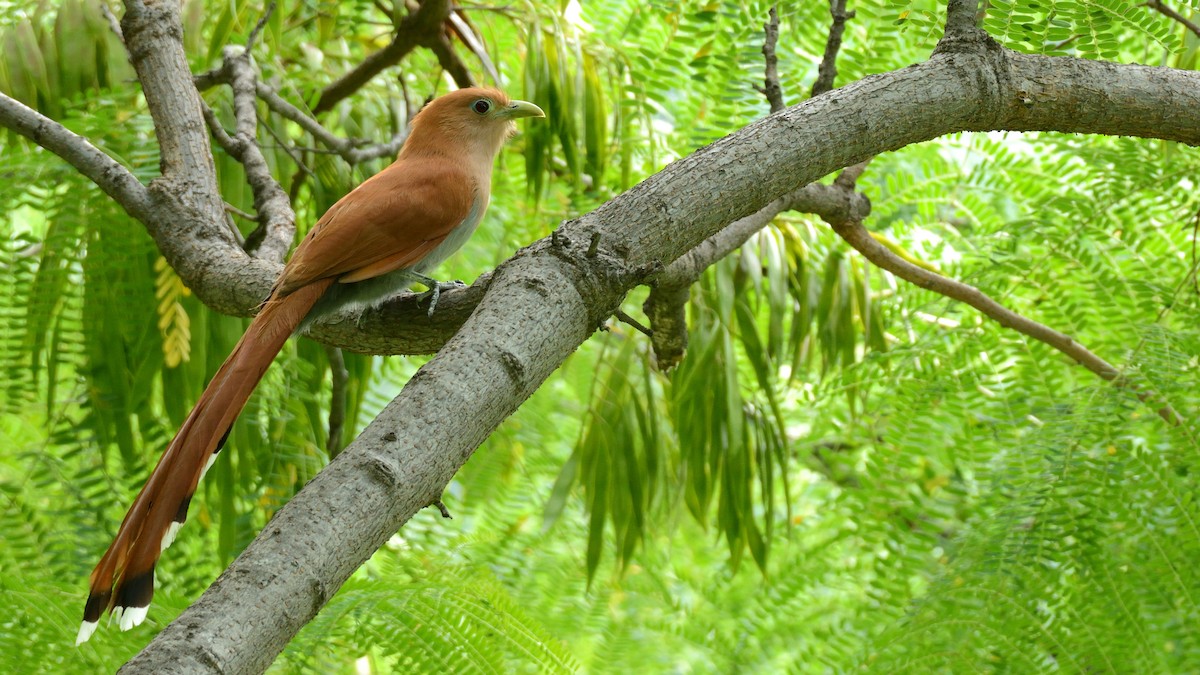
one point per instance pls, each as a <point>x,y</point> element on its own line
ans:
<point>517,109</point>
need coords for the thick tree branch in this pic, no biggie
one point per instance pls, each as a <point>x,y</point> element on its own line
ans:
<point>961,16</point>
<point>545,301</point>
<point>116,181</point>
<point>419,28</point>
<point>857,236</point>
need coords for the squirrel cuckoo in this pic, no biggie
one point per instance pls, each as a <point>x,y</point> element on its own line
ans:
<point>374,242</point>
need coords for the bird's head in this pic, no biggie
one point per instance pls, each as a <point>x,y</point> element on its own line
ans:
<point>475,119</point>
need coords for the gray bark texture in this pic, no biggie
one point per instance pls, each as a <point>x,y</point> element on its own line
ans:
<point>501,338</point>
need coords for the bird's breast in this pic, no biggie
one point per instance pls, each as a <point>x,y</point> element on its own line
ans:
<point>457,237</point>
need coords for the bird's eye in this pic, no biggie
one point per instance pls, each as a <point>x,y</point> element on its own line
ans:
<point>481,106</point>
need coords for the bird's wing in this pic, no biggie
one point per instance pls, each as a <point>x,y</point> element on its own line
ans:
<point>390,222</point>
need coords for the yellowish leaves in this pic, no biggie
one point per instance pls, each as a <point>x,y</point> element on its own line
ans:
<point>173,321</point>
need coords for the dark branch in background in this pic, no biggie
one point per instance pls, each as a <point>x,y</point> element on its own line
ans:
<point>337,400</point>
<point>422,27</point>
<point>449,60</point>
<point>771,88</point>
<point>827,71</point>
<point>466,32</point>
<point>1159,7</point>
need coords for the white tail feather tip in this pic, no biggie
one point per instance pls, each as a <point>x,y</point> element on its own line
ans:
<point>212,459</point>
<point>85,631</point>
<point>169,535</point>
<point>132,616</point>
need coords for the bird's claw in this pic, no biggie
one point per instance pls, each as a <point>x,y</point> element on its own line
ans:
<point>435,292</point>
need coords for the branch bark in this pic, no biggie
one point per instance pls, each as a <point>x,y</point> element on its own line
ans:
<point>544,302</point>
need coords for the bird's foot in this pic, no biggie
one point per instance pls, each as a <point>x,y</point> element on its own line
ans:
<point>435,292</point>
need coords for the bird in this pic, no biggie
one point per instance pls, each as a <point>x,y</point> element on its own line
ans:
<point>376,241</point>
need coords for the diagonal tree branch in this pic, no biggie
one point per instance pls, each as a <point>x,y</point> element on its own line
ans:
<point>827,71</point>
<point>116,181</point>
<point>1158,6</point>
<point>857,236</point>
<point>418,28</point>
<point>351,150</point>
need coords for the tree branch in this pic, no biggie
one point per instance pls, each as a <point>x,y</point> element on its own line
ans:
<point>1159,7</point>
<point>545,301</point>
<point>771,88</point>
<point>340,378</point>
<point>418,28</point>
<point>351,150</point>
<point>827,71</point>
<point>857,236</point>
<point>116,181</point>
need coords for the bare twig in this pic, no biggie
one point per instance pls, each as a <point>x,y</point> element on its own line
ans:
<point>116,181</point>
<point>348,149</point>
<point>827,71</point>
<point>420,27</point>
<point>113,22</point>
<point>857,236</point>
<point>337,400</point>
<point>230,208</point>
<point>624,318</point>
<point>771,88</point>
<point>259,26</point>
<point>1159,7</point>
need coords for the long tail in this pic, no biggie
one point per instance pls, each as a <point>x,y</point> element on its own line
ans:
<point>123,580</point>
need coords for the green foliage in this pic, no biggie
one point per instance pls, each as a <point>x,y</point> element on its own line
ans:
<point>918,489</point>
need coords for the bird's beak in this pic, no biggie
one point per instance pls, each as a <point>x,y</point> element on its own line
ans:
<point>517,109</point>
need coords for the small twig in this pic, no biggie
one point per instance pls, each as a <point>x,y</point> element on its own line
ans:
<point>442,507</point>
<point>259,26</point>
<point>594,244</point>
<point>337,400</point>
<point>113,22</point>
<point>1159,7</point>
<point>771,88</point>
<point>291,152</point>
<point>220,135</point>
<point>827,71</point>
<point>230,208</point>
<point>626,319</point>
<point>857,236</point>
